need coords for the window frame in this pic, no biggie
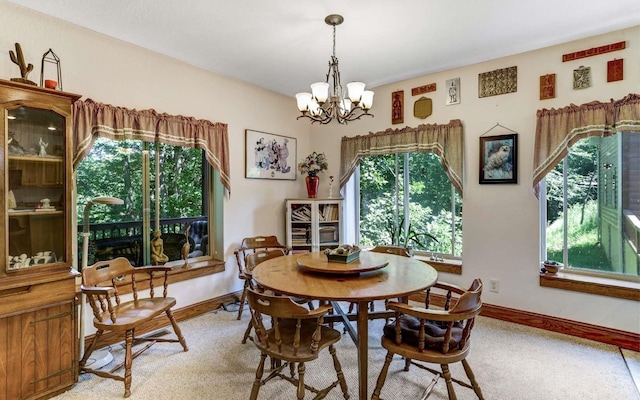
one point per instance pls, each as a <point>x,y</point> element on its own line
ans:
<point>580,280</point>
<point>212,209</point>
<point>449,263</point>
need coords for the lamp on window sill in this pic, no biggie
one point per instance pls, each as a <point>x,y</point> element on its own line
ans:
<point>103,357</point>
<point>327,102</point>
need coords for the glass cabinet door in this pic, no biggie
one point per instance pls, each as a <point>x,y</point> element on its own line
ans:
<point>35,189</point>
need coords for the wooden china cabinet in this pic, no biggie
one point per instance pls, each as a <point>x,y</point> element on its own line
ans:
<point>38,318</point>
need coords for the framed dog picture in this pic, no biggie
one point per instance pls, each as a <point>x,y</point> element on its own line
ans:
<point>269,156</point>
<point>499,159</point>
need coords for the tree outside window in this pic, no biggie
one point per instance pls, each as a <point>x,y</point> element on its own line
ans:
<point>592,206</point>
<point>408,200</point>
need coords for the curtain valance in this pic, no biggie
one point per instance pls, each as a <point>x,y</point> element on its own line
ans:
<point>558,129</point>
<point>445,140</point>
<point>92,119</point>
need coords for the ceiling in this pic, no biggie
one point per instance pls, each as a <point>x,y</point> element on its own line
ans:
<point>285,45</point>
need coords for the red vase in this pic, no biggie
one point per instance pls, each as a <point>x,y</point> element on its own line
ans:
<point>312,186</point>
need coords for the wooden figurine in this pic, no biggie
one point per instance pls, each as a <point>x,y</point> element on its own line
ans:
<point>18,59</point>
<point>185,248</point>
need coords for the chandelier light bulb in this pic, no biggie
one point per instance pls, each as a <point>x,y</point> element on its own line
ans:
<point>367,99</point>
<point>303,100</point>
<point>320,91</point>
<point>355,91</point>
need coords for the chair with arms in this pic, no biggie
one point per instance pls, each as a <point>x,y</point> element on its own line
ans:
<point>295,335</point>
<point>250,262</point>
<point>100,284</point>
<point>431,335</point>
<point>251,245</point>
<point>395,250</point>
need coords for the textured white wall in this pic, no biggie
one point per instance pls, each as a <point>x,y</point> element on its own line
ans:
<point>501,221</point>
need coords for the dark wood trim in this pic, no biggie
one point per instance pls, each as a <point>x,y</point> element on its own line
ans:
<point>602,286</point>
<point>180,315</point>
<point>615,337</point>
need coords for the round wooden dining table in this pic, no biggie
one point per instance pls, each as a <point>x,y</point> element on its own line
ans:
<point>376,276</point>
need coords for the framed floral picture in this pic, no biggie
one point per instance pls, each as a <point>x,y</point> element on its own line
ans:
<point>269,156</point>
<point>499,159</point>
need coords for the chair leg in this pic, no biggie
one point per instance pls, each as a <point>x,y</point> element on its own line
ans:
<point>338,368</point>
<point>88,351</point>
<point>472,379</point>
<point>301,371</point>
<point>127,362</point>
<point>447,378</point>
<point>247,332</point>
<point>257,381</point>
<point>243,299</point>
<point>382,377</point>
<point>176,330</point>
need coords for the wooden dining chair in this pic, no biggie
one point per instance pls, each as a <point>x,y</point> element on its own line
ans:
<point>434,335</point>
<point>395,250</point>
<point>293,335</point>
<point>250,245</point>
<point>101,284</point>
<point>250,262</point>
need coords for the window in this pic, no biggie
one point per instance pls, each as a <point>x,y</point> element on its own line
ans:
<point>592,207</point>
<point>135,171</point>
<point>407,199</point>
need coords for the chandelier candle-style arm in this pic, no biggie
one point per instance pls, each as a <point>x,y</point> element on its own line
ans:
<point>328,101</point>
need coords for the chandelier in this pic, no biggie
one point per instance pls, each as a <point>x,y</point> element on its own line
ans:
<point>328,102</point>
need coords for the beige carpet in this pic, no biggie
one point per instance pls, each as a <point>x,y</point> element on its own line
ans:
<point>511,362</point>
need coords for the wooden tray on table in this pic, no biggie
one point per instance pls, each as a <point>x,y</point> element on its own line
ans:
<point>318,262</point>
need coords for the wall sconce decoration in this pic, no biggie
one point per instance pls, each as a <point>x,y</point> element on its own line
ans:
<point>18,59</point>
<point>52,58</point>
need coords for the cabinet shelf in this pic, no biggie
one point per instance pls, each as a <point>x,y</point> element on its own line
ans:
<point>37,159</point>
<point>313,224</point>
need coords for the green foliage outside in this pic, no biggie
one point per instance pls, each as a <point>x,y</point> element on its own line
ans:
<point>585,250</point>
<point>114,168</point>
<point>382,208</point>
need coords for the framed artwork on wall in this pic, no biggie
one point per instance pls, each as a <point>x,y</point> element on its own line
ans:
<point>269,156</point>
<point>499,159</point>
<point>453,91</point>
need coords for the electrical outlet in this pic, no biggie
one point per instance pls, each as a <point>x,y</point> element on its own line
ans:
<point>494,285</point>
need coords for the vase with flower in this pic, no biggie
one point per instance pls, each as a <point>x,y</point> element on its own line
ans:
<point>312,165</point>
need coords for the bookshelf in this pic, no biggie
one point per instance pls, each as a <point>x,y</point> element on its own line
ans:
<point>313,224</point>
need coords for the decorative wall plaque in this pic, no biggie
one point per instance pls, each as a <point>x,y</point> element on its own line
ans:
<point>547,86</point>
<point>422,108</point>
<point>423,89</point>
<point>453,91</point>
<point>582,77</point>
<point>497,82</point>
<point>615,70</point>
<point>397,107</point>
<point>594,51</point>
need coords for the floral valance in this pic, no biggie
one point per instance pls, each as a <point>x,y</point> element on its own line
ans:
<point>92,119</point>
<point>558,129</point>
<point>445,140</point>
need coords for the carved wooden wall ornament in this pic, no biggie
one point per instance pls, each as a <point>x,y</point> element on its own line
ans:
<point>500,81</point>
<point>547,86</point>
<point>615,70</point>
<point>397,107</point>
